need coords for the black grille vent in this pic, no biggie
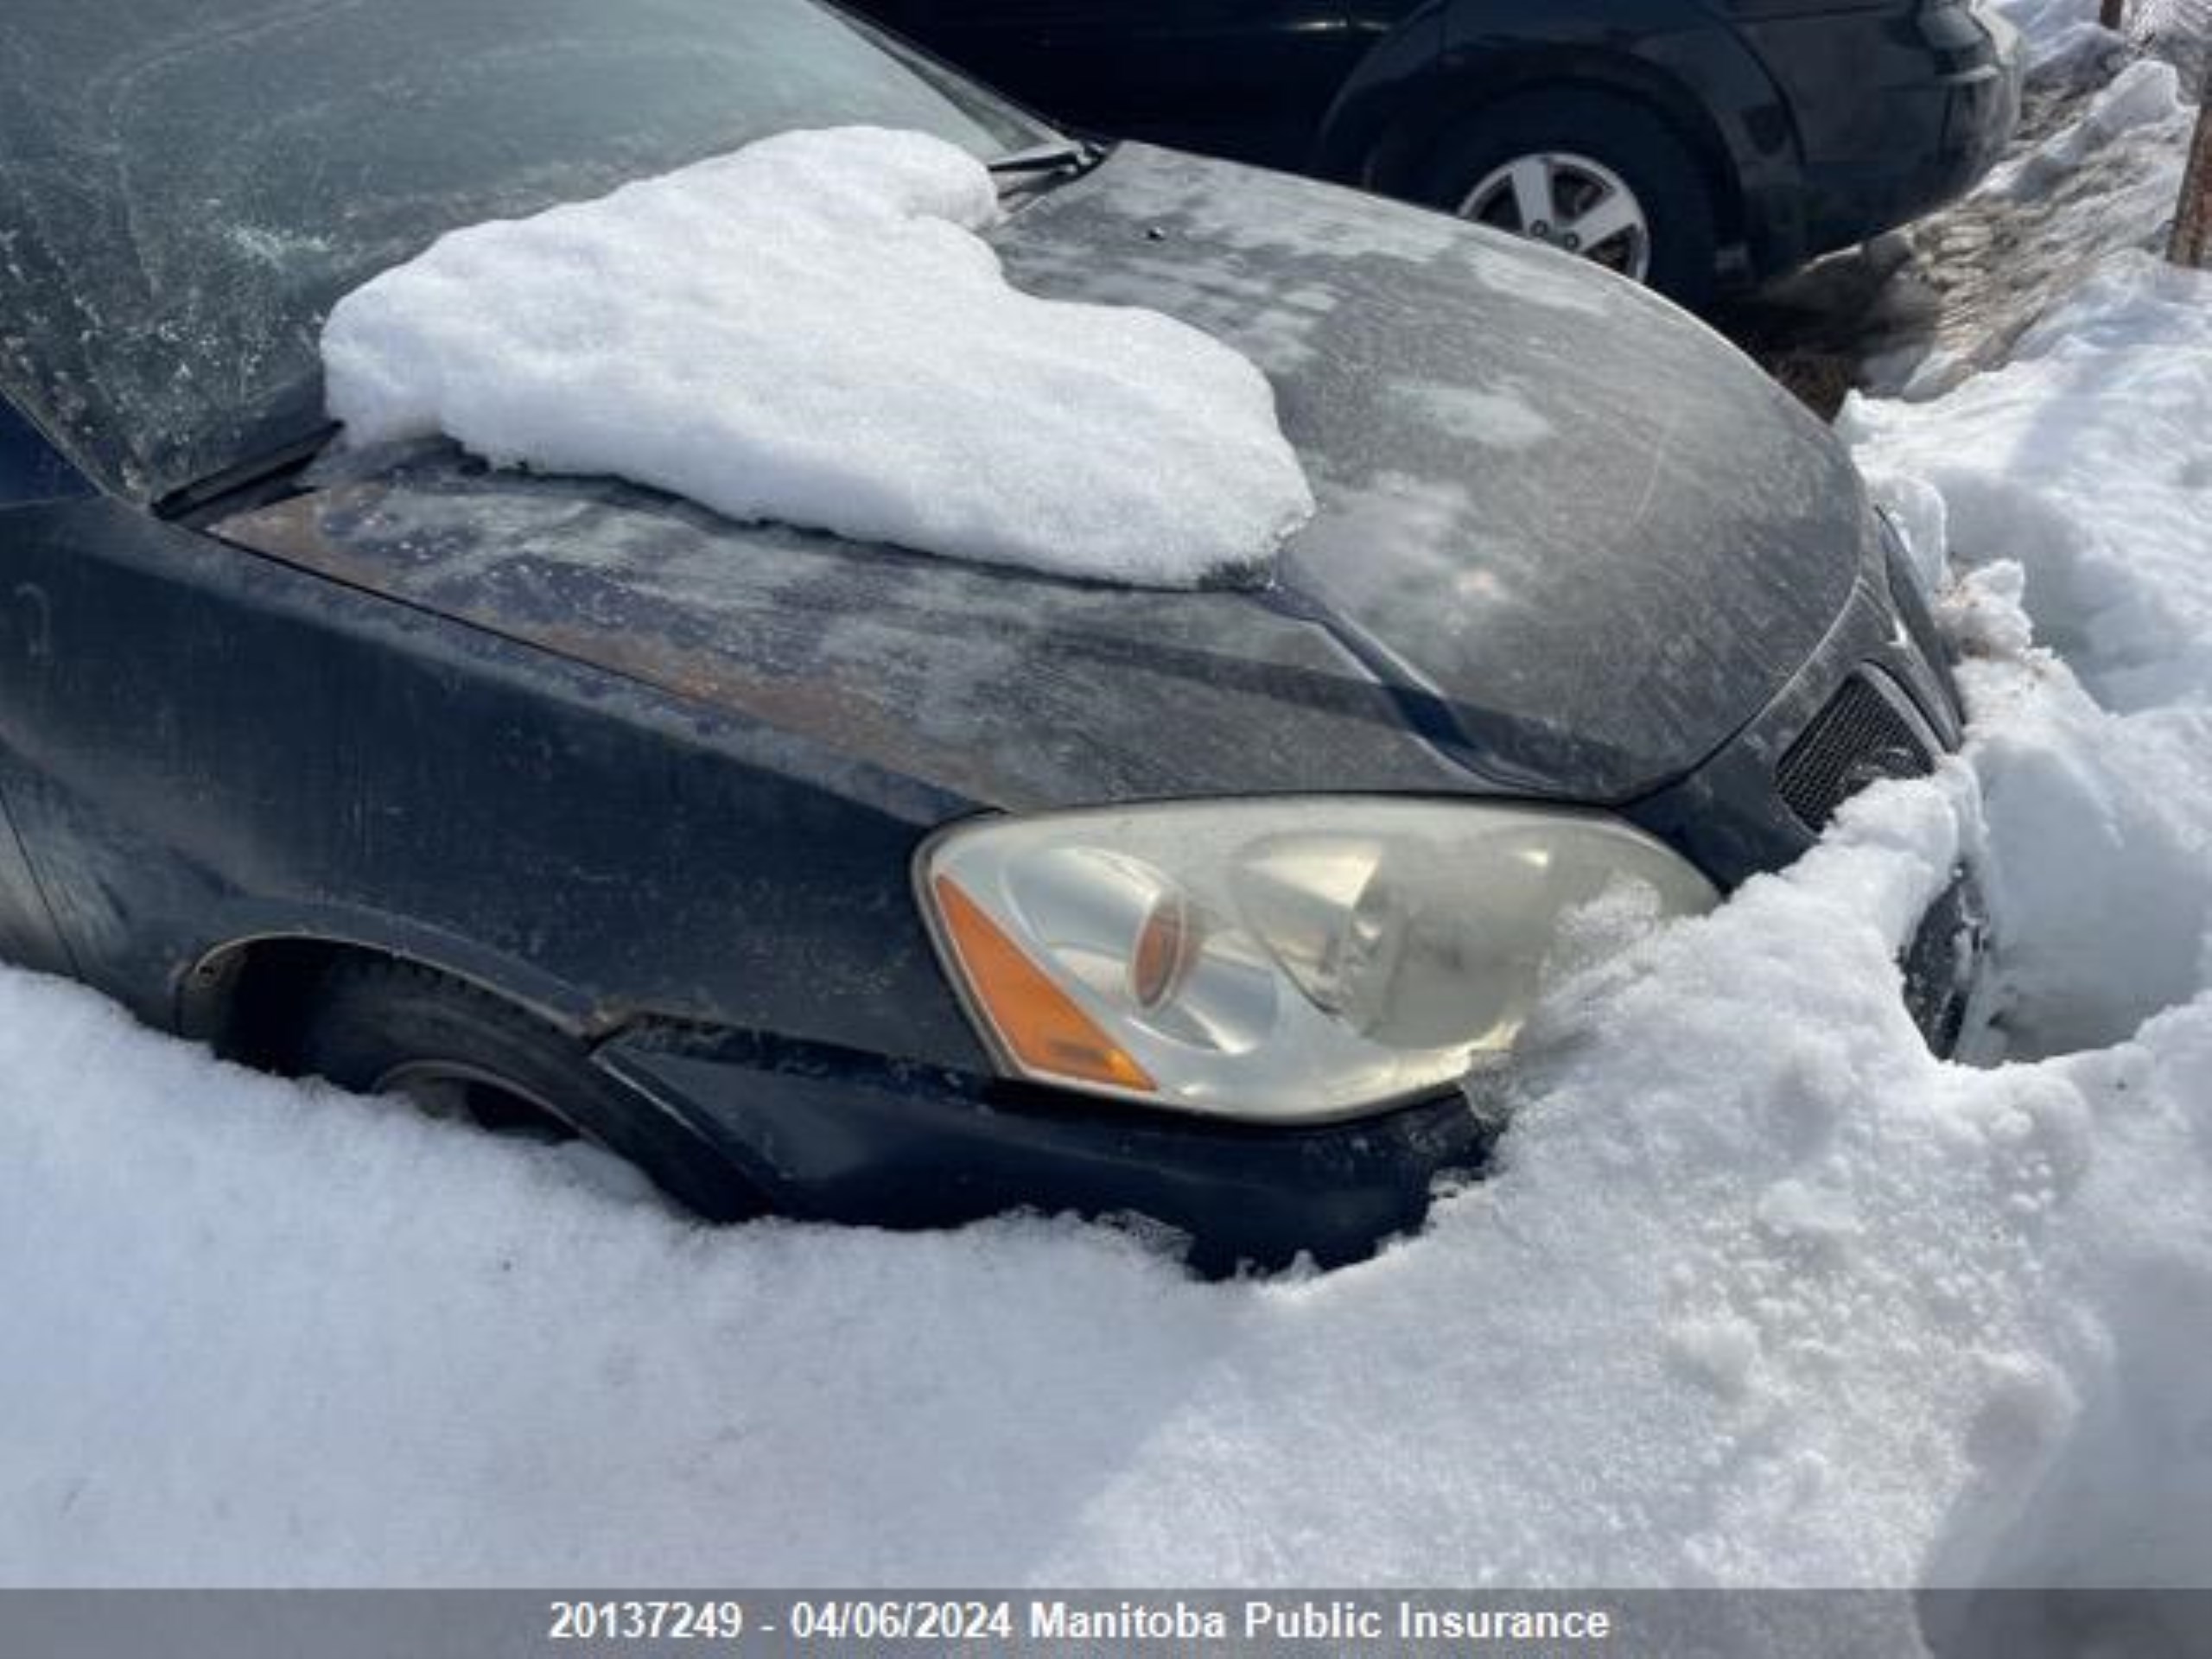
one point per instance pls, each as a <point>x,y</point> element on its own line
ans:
<point>1858,739</point>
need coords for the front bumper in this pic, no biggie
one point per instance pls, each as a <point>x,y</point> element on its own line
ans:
<point>830,1135</point>
<point>825,1135</point>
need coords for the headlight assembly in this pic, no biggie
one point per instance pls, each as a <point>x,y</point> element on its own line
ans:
<point>1274,959</point>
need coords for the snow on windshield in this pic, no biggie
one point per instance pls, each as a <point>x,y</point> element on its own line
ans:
<point>810,331</point>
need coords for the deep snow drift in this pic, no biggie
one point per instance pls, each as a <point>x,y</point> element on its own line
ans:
<point>1764,1293</point>
<point>810,331</point>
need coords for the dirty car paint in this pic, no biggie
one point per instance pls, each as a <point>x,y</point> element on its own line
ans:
<point>1568,542</point>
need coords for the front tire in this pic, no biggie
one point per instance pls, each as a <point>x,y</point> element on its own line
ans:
<point>1595,176</point>
<point>380,1027</point>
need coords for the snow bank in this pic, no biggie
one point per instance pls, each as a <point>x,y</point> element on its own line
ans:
<point>2147,93</point>
<point>810,331</point>
<point>2107,404</point>
<point>1764,1293</point>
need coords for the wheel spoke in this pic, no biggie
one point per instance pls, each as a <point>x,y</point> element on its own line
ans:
<point>1531,179</point>
<point>1614,213</point>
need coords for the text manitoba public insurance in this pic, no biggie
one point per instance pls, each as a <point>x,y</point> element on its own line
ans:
<point>1332,1621</point>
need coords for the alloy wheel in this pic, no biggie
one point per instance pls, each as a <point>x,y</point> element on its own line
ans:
<point>1570,202</point>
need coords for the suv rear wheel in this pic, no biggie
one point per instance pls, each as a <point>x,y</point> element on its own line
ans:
<point>1590,174</point>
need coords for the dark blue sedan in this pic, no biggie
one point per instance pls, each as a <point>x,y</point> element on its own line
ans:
<point>832,879</point>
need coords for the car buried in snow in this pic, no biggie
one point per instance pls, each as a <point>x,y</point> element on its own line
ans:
<point>833,880</point>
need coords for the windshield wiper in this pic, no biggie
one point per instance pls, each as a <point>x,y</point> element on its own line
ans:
<point>1074,154</point>
<point>245,475</point>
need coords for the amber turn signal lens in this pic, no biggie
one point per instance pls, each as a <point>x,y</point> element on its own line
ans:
<point>1032,1016</point>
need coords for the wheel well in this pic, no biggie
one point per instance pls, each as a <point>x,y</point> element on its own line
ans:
<point>1395,163</point>
<point>249,999</point>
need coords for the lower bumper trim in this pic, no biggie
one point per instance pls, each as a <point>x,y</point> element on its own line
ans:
<point>831,1135</point>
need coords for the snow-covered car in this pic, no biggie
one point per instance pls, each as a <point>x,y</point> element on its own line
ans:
<point>825,877</point>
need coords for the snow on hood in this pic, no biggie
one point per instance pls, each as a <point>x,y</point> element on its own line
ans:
<point>810,331</point>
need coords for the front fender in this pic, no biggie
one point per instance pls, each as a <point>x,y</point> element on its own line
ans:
<point>201,744</point>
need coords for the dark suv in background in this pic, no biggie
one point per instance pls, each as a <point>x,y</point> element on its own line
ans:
<point>1684,142</point>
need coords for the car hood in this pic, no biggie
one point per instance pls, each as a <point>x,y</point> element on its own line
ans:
<point>1568,544</point>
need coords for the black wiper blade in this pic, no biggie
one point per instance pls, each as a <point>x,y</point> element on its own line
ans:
<point>244,474</point>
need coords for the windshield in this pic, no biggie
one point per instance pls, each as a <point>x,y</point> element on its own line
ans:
<point>187,187</point>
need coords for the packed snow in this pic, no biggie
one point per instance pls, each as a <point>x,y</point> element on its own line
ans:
<point>1763,1293</point>
<point>810,331</point>
<point>2147,93</point>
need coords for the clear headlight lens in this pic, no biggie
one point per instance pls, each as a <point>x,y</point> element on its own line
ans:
<point>1279,959</point>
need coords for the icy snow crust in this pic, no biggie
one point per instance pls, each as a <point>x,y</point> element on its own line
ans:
<point>1762,1294</point>
<point>810,331</point>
